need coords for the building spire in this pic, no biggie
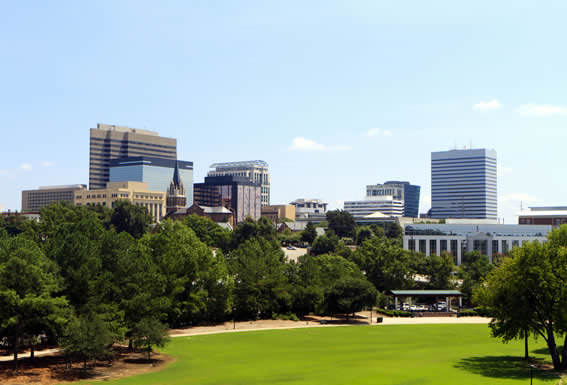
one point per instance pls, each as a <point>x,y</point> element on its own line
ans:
<point>176,179</point>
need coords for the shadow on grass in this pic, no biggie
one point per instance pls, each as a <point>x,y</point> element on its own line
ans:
<point>503,367</point>
<point>545,350</point>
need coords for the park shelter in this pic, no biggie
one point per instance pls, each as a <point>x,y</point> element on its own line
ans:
<point>447,294</point>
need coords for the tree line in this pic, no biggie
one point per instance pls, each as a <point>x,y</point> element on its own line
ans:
<point>88,277</point>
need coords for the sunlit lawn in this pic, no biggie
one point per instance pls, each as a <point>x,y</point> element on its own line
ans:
<point>416,354</point>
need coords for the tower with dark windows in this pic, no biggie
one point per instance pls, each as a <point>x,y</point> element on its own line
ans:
<point>176,198</point>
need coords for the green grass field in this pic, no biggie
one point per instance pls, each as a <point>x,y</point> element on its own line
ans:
<point>393,355</point>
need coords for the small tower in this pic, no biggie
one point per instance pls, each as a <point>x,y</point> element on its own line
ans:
<point>175,197</point>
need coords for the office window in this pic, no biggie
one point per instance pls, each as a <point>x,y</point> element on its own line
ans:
<point>432,247</point>
<point>494,247</point>
<point>454,246</point>
<point>411,244</point>
<point>422,246</point>
<point>443,245</point>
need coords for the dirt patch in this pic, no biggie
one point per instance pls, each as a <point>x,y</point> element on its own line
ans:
<point>50,370</point>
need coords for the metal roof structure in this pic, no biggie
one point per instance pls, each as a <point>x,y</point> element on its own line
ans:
<point>425,293</point>
<point>245,163</point>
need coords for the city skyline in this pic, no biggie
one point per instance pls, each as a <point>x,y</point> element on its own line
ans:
<point>330,109</point>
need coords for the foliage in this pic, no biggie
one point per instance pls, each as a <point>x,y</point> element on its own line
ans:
<point>148,333</point>
<point>440,269</point>
<point>474,269</point>
<point>396,313</point>
<point>324,244</point>
<point>527,294</point>
<point>208,231</point>
<point>87,338</point>
<point>29,304</point>
<point>349,295</point>
<point>130,218</point>
<point>309,233</point>
<point>385,263</point>
<point>342,223</point>
<point>362,234</point>
<point>260,285</point>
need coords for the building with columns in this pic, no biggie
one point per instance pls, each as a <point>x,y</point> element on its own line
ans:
<point>458,239</point>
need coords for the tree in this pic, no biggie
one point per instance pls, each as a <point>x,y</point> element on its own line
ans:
<point>474,269</point>
<point>87,338</point>
<point>208,231</point>
<point>261,287</point>
<point>150,332</point>
<point>527,294</point>
<point>29,304</point>
<point>395,231</point>
<point>325,244</point>
<point>309,233</point>
<point>350,295</point>
<point>385,263</point>
<point>128,217</point>
<point>440,270</point>
<point>195,282</point>
<point>362,234</point>
<point>342,223</point>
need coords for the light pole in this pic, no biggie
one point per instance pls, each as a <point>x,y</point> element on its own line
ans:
<point>532,374</point>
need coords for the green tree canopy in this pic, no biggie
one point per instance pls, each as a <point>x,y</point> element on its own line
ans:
<point>126,216</point>
<point>309,233</point>
<point>342,223</point>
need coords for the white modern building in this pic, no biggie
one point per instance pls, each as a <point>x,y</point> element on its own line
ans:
<point>463,184</point>
<point>385,205</point>
<point>254,170</point>
<point>457,239</point>
<point>399,190</point>
<point>309,209</point>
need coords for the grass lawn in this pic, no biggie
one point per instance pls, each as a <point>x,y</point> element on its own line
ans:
<point>392,355</point>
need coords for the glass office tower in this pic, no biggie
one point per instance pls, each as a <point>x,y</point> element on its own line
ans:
<point>463,184</point>
<point>156,172</point>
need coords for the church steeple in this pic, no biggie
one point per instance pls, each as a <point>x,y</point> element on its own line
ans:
<point>176,198</point>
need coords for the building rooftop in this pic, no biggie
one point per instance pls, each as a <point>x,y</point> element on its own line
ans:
<point>245,163</point>
<point>64,186</point>
<point>557,212</point>
<point>112,127</point>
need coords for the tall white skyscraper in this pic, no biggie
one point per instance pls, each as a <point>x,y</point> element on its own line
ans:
<point>463,184</point>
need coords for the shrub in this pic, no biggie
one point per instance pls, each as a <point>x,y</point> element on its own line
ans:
<point>396,313</point>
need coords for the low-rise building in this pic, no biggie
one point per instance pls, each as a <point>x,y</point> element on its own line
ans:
<point>457,239</point>
<point>34,200</point>
<point>277,213</point>
<point>219,214</point>
<point>314,210</point>
<point>544,215</point>
<point>135,192</point>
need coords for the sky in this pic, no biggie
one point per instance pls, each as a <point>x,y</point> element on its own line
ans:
<point>334,95</point>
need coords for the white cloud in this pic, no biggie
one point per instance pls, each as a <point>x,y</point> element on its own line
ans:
<point>541,110</point>
<point>302,144</point>
<point>26,166</point>
<point>378,132</point>
<point>47,163</point>
<point>487,106</point>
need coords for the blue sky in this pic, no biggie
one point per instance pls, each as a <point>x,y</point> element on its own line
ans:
<point>334,95</point>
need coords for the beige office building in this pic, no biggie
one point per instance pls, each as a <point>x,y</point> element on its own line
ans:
<point>34,200</point>
<point>135,192</point>
<point>255,171</point>
<point>278,212</point>
<point>109,142</point>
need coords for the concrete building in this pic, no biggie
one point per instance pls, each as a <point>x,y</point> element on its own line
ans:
<point>463,184</point>
<point>457,239</point>
<point>156,172</point>
<point>136,192</point>
<point>386,205</point>
<point>314,210</point>
<point>544,215</point>
<point>254,170</point>
<point>34,200</point>
<point>236,193</point>
<point>109,142</point>
<point>276,213</point>
<point>401,191</point>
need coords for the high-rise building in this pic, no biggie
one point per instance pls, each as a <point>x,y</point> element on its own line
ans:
<point>175,197</point>
<point>156,172</point>
<point>33,200</point>
<point>109,142</point>
<point>387,205</point>
<point>400,191</point>
<point>236,193</point>
<point>136,192</point>
<point>254,170</point>
<point>463,184</point>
